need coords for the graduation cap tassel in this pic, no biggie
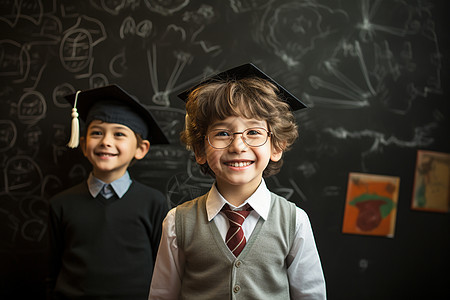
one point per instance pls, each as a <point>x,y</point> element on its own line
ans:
<point>75,131</point>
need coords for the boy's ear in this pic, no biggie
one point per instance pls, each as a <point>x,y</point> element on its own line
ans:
<point>142,149</point>
<point>200,159</point>
<point>276,154</point>
<point>200,156</point>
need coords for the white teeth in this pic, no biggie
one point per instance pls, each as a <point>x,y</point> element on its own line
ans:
<point>105,154</point>
<point>240,164</point>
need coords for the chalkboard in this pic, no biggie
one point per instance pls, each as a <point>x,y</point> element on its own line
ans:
<point>373,73</point>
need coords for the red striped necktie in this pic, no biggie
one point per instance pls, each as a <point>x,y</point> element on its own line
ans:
<point>235,238</point>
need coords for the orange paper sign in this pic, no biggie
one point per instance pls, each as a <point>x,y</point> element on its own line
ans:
<point>371,204</point>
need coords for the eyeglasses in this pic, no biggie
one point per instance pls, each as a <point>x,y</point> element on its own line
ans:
<point>253,137</point>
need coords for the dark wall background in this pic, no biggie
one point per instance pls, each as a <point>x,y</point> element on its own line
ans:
<point>374,73</point>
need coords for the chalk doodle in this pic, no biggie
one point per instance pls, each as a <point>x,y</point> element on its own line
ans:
<point>77,45</point>
<point>8,135</point>
<point>22,176</point>
<point>59,92</point>
<point>383,60</point>
<point>307,23</point>
<point>422,138</point>
<point>14,12</point>
<point>166,7</point>
<point>32,107</point>
<point>129,27</point>
<point>14,60</point>
<point>162,97</point>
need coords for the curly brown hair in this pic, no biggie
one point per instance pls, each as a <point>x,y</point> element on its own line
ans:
<point>251,98</point>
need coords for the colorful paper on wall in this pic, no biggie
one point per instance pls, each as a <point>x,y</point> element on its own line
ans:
<point>431,182</point>
<point>371,204</point>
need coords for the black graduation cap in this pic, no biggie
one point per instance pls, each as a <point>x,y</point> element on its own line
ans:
<point>113,105</point>
<point>245,71</point>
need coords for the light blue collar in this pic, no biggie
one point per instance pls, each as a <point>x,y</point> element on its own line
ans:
<point>119,186</point>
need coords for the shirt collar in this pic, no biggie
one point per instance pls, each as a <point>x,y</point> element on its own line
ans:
<point>260,201</point>
<point>120,186</point>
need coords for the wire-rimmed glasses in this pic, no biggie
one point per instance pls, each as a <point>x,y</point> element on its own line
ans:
<point>252,137</point>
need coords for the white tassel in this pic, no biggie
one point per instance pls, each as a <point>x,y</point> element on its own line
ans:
<point>75,132</point>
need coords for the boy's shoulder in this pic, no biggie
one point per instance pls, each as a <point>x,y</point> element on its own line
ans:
<point>69,195</point>
<point>148,191</point>
<point>190,208</point>
<point>300,213</point>
<point>142,186</point>
<point>73,192</point>
<point>282,202</point>
<point>193,202</point>
<point>76,189</point>
<point>276,197</point>
<point>145,192</point>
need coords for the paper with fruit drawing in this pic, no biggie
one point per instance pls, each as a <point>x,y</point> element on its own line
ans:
<point>371,204</point>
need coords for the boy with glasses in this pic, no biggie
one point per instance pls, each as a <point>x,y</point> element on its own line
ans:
<point>238,241</point>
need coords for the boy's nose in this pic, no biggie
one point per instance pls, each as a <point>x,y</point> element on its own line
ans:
<point>107,140</point>
<point>237,145</point>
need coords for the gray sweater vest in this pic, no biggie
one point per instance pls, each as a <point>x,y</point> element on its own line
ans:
<point>211,270</point>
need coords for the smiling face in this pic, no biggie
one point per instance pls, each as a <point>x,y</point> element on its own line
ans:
<point>239,166</point>
<point>250,98</point>
<point>110,148</point>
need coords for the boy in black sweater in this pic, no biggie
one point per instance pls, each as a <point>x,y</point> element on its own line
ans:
<point>104,232</point>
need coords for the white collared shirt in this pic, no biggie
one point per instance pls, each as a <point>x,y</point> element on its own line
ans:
<point>259,201</point>
<point>306,280</point>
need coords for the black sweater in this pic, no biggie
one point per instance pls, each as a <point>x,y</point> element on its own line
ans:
<point>104,248</point>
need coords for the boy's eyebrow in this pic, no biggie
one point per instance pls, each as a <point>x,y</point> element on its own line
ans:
<point>250,123</point>
<point>94,126</point>
<point>219,124</point>
<point>122,127</point>
<point>117,126</point>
